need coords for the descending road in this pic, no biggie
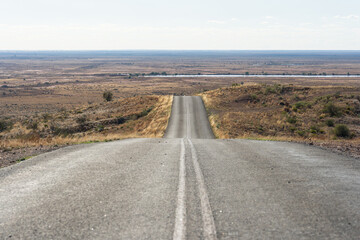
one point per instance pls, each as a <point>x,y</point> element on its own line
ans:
<point>188,119</point>
<point>184,186</point>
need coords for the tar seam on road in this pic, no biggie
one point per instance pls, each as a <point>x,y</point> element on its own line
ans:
<point>188,132</point>
<point>209,230</point>
<point>180,219</point>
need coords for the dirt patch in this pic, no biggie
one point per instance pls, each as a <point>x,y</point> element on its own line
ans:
<point>9,157</point>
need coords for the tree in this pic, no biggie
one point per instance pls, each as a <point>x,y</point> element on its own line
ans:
<point>108,96</point>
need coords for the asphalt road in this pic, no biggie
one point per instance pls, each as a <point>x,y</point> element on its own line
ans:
<point>184,186</point>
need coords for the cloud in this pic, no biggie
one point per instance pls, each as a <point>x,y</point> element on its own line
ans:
<point>349,17</point>
<point>269,17</point>
<point>217,21</point>
<point>305,24</point>
<point>114,36</point>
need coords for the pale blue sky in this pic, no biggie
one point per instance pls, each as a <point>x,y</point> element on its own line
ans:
<point>196,24</point>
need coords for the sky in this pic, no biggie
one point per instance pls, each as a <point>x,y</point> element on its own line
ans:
<point>180,25</point>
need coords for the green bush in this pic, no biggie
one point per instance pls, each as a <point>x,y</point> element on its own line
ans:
<point>342,130</point>
<point>332,110</point>
<point>330,122</point>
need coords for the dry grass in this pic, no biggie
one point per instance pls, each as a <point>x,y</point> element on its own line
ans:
<point>142,116</point>
<point>285,113</point>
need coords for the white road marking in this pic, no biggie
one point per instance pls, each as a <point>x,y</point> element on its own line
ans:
<point>209,230</point>
<point>180,219</point>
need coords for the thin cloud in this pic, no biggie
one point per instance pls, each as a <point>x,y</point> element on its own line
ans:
<point>349,17</point>
<point>217,21</point>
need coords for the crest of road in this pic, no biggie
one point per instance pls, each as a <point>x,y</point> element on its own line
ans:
<point>187,185</point>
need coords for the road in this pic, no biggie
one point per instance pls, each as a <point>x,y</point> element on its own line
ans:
<point>184,186</point>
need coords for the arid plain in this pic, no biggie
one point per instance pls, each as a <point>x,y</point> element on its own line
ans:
<point>50,99</point>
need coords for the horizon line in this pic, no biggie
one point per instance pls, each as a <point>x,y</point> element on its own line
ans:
<point>43,50</point>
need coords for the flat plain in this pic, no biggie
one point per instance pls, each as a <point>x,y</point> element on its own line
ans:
<point>38,90</point>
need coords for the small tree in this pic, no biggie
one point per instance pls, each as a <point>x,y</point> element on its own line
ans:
<point>108,96</point>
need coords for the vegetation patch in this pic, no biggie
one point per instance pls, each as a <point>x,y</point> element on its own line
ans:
<point>141,116</point>
<point>285,112</point>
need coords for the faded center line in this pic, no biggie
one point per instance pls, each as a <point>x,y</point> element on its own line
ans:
<point>180,218</point>
<point>209,230</point>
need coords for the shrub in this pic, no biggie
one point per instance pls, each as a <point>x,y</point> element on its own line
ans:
<point>120,120</point>
<point>4,125</point>
<point>342,130</point>
<point>254,98</point>
<point>337,94</point>
<point>33,126</point>
<point>296,97</point>
<point>100,128</point>
<point>291,120</point>
<point>314,129</point>
<point>301,133</point>
<point>46,117</point>
<point>330,122</point>
<point>332,110</point>
<point>144,112</point>
<point>302,104</point>
<point>81,120</point>
<point>108,96</point>
<point>269,90</point>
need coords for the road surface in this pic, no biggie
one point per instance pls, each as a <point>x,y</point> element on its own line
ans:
<point>184,186</point>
